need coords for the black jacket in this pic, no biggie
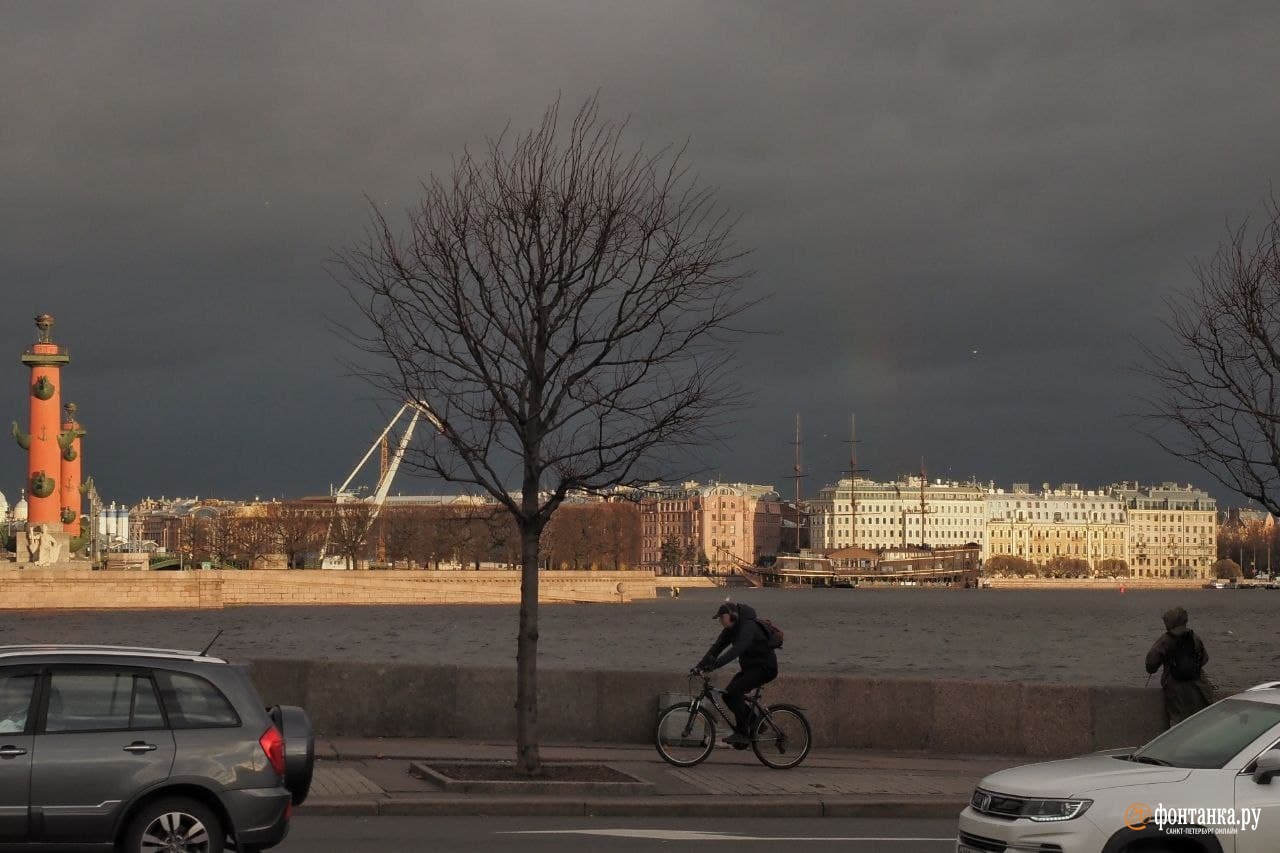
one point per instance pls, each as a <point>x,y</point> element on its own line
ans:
<point>1181,698</point>
<point>745,640</point>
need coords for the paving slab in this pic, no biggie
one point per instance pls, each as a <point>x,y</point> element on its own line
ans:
<point>371,776</point>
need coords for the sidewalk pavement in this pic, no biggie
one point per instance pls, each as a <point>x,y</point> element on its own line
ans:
<point>361,776</point>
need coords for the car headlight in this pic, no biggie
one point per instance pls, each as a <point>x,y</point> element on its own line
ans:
<point>1050,810</point>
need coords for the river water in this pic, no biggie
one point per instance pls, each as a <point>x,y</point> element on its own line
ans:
<point>1075,636</point>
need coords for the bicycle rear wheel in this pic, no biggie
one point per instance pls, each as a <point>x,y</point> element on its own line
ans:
<point>782,737</point>
<point>683,737</point>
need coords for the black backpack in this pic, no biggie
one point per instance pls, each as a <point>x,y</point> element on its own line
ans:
<point>1184,663</point>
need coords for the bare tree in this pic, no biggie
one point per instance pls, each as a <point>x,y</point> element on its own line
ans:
<point>1218,379</point>
<point>298,529</point>
<point>1003,565</point>
<point>621,525</point>
<point>213,536</point>
<point>252,538</point>
<point>349,528</point>
<point>400,530</point>
<point>1227,570</point>
<point>1067,567</point>
<point>1114,567</point>
<point>562,304</point>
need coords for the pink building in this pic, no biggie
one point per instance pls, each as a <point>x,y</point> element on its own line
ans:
<point>693,527</point>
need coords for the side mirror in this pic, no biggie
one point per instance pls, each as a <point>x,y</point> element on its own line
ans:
<point>1266,767</point>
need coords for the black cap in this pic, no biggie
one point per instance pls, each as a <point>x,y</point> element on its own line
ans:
<point>728,607</point>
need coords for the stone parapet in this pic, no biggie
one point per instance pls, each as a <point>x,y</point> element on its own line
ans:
<point>591,706</point>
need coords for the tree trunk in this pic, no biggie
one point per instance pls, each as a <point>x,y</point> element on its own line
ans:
<point>527,758</point>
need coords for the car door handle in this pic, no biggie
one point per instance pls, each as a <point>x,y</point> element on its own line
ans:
<point>11,751</point>
<point>138,747</point>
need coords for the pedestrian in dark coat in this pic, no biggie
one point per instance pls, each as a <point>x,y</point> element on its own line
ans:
<point>1182,655</point>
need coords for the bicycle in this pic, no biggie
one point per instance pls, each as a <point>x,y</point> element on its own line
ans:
<point>686,733</point>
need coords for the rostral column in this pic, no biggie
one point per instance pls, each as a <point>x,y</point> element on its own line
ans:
<point>44,455</point>
<point>69,482</point>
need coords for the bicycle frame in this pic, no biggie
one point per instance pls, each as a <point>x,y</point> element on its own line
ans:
<point>711,692</point>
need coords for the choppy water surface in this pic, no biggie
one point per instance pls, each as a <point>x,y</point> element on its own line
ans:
<point>1084,636</point>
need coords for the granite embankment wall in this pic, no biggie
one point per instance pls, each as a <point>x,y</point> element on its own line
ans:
<point>57,589</point>
<point>377,700</point>
<point>1094,583</point>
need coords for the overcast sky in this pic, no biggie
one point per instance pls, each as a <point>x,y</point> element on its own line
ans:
<point>916,181</point>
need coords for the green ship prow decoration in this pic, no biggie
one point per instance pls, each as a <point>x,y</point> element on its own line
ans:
<point>42,485</point>
<point>23,438</point>
<point>67,441</point>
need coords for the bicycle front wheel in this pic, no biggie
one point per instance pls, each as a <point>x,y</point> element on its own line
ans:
<point>782,737</point>
<point>685,737</point>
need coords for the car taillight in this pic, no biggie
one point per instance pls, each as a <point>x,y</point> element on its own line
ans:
<point>272,743</point>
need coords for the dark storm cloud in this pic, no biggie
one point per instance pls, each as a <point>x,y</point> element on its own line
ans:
<point>917,181</point>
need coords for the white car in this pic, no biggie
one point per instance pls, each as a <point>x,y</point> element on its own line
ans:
<point>1205,785</point>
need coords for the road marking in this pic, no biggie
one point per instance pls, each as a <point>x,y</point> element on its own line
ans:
<point>695,835</point>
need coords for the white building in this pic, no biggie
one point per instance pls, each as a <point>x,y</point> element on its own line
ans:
<point>911,511</point>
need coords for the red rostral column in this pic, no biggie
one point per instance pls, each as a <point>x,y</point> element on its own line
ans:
<point>69,484</point>
<point>44,456</point>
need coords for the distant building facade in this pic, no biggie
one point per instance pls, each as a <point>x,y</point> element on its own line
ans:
<point>1172,530</point>
<point>911,511</point>
<point>1068,521</point>
<point>715,526</point>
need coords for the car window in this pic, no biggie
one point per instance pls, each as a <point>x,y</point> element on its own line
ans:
<point>1214,736</point>
<point>146,705</point>
<point>193,703</point>
<point>15,702</point>
<point>95,701</point>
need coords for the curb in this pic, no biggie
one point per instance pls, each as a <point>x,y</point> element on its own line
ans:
<point>767,807</point>
<point>436,773</point>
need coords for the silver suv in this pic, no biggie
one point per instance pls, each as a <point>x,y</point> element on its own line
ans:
<point>144,750</point>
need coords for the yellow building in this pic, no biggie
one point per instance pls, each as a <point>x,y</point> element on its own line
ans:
<point>1064,522</point>
<point>1173,530</point>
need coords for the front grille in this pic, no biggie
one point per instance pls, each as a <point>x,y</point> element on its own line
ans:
<point>993,845</point>
<point>997,805</point>
<point>979,842</point>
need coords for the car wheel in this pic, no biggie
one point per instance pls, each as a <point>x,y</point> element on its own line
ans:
<point>175,824</point>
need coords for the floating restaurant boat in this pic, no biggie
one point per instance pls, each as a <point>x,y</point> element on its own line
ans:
<point>957,566</point>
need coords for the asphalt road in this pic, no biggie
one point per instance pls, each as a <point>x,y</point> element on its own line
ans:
<point>531,835</point>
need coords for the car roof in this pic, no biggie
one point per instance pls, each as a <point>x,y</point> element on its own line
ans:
<point>46,650</point>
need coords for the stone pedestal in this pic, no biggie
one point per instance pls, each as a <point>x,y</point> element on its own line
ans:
<point>62,551</point>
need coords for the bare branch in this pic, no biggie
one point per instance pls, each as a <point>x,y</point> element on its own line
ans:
<point>1216,380</point>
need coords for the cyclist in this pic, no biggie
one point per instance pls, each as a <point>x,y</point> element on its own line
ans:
<point>748,642</point>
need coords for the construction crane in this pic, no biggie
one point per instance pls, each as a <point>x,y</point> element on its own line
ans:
<point>387,472</point>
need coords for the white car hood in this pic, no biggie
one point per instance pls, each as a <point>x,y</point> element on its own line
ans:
<point>1076,777</point>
